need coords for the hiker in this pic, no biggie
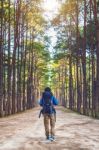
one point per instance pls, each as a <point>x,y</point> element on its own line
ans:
<point>47,102</point>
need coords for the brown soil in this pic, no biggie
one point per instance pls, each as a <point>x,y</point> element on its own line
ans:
<point>25,131</point>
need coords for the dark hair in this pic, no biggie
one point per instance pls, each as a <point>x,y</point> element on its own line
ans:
<point>47,89</point>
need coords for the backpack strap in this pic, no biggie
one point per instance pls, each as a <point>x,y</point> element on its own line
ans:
<point>53,105</point>
<point>53,108</point>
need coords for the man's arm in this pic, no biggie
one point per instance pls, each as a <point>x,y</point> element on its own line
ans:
<point>41,102</point>
<point>55,101</point>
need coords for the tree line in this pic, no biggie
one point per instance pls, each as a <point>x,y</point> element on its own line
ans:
<point>26,65</point>
<point>76,56</point>
<point>22,54</point>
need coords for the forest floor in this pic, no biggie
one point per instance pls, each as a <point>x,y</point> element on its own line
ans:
<point>25,131</point>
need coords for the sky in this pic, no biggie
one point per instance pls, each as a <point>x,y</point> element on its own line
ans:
<point>51,9</point>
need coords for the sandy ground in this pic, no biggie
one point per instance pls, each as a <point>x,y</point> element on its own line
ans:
<point>25,131</point>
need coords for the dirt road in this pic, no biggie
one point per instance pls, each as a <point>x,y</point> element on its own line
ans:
<point>25,131</point>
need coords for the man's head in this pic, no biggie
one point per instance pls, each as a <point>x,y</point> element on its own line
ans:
<point>47,89</point>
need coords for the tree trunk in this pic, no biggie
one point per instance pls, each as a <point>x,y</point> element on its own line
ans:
<point>1,60</point>
<point>84,64</point>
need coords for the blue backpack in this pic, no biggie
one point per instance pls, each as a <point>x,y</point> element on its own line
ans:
<point>48,107</point>
<point>47,103</point>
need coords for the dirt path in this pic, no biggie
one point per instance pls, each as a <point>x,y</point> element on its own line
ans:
<point>25,131</point>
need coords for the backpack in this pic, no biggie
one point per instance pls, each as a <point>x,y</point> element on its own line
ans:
<point>47,103</point>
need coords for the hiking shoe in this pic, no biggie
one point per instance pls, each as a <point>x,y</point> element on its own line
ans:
<point>52,138</point>
<point>48,138</point>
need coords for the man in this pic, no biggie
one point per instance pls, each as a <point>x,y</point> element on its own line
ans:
<point>47,102</point>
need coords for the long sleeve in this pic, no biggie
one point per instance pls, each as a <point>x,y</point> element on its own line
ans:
<point>55,101</point>
<point>41,102</point>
